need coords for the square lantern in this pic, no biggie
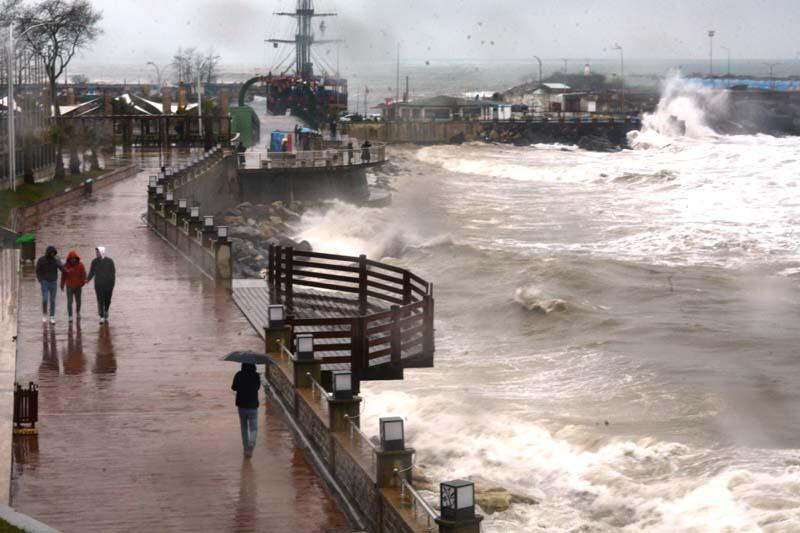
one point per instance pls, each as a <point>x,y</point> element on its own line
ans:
<point>304,346</point>
<point>208,221</point>
<point>342,385</point>
<point>392,434</point>
<point>457,500</point>
<point>160,190</point>
<point>276,316</point>
<point>182,204</point>
<point>195,212</point>
<point>170,196</point>
<point>153,181</point>
<point>222,233</point>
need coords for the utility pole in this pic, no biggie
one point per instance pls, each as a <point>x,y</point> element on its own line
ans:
<point>397,87</point>
<point>771,80</point>
<point>711,53</point>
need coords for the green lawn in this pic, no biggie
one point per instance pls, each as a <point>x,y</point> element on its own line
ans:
<point>27,194</point>
<point>5,527</point>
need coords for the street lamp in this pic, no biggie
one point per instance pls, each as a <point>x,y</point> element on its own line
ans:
<point>617,46</point>
<point>711,53</point>
<point>728,50</point>
<point>158,72</point>
<point>11,108</point>
<point>540,69</point>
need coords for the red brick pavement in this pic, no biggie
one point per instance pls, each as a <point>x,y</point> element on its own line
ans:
<point>138,429</point>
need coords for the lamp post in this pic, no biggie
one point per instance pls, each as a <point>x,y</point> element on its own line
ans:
<point>728,50</point>
<point>617,46</point>
<point>158,72</point>
<point>711,53</point>
<point>11,107</point>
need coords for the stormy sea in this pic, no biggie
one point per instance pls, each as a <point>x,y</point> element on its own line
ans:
<point>616,333</point>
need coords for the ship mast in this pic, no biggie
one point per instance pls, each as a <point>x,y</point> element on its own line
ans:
<point>304,37</point>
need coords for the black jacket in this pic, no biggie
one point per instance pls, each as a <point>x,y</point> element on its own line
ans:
<point>47,268</point>
<point>246,385</point>
<point>103,272</point>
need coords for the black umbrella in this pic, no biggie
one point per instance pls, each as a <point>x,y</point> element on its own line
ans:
<point>254,358</point>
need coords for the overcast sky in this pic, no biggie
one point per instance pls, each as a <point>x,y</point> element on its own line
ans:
<point>144,30</point>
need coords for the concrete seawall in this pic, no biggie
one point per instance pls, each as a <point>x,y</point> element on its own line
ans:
<point>443,132</point>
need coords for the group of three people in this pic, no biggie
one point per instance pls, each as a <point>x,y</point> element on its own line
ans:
<point>73,278</point>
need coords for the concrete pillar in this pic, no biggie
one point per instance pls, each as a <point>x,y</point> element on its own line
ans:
<point>300,368</point>
<point>472,525</point>
<point>387,461</point>
<point>223,260</point>
<point>108,103</point>
<point>182,97</point>
<point>166,101</point>
<point>274,337</point>
<point>337,409</point>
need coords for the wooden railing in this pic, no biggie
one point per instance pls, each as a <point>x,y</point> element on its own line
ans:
<point>371,331</point>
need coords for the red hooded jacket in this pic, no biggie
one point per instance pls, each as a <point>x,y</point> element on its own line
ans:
<point>74,275</point>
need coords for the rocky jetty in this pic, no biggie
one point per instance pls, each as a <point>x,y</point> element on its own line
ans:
<point>253,227</point>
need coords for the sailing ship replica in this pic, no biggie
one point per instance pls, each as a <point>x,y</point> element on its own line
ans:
<point>315,98</point>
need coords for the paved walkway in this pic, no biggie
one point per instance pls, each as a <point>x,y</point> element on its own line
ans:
<point>138,429</point>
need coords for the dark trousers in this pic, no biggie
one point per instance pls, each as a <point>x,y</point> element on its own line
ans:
<point>76,295</point>
<point>103,300</point>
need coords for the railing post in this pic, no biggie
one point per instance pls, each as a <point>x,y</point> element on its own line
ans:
<point>427,324</point>
<point>396,338</point>
<point>289,270</point>
<point>278,271</point>
<point>406,287</point>
<point>271,266</point>
<point>356,346</point>
<point>362,284</point>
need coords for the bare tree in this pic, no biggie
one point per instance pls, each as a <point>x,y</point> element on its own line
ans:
<point>189,63</point>
<point>55,30</point>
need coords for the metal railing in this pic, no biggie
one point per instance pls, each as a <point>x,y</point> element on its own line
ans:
<point>315,385</point>
<point>417,500</point>
<point>331,157</point>
<point>354,428</point>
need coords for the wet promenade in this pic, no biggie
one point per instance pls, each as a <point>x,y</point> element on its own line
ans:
<point>138,429</point>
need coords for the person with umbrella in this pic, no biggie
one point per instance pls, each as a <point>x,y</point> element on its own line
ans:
<point>246,383</point>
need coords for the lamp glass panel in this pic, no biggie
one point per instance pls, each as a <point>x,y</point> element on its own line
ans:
<point>222,232</point>
<point>276,313</point>
<point>342,381</point>
<point>170,196</point>
<point>182,204</point>
<point>195,212</point>
<point>466,496</point>
<point>208,221</point>
<point>393,430</point>
<point>160,189</point>
<point>305,343</point>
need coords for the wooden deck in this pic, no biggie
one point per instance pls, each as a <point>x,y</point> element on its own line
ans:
<point>254,296</point>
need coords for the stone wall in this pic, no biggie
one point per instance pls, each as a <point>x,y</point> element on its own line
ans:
<point>213,186</point>
<point>342,457</point>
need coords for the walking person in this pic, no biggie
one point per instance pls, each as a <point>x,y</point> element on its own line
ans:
<point>246,383</point>
<point>47,268</point>
<point>73,278</point>
<point>104,274</point>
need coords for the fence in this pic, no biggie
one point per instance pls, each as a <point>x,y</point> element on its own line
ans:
<point>371,333</point>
